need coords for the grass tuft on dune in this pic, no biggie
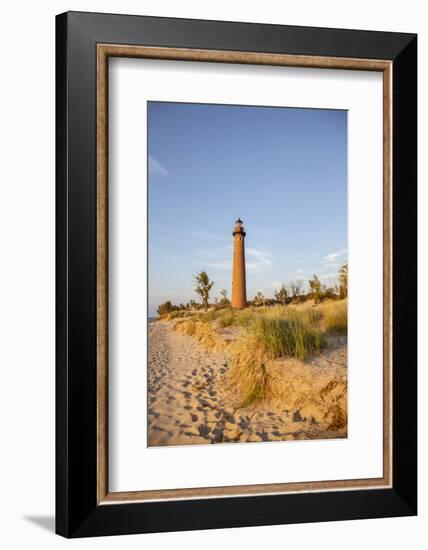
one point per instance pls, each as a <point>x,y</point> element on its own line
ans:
<point>291,333</point>
<point>335,317</point>
<point>202,331</point>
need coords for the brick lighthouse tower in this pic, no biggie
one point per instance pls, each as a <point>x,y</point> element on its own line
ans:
<point>239,291</point>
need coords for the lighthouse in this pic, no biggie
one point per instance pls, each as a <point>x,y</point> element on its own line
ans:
<point>239,290</point>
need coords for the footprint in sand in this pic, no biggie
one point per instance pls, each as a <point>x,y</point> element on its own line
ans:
<point>243,424</point>
<point>204,402</point>
<point>297,417</point>
<point>157,428</point>
<point>218,433</point>
<point>190,434</point>
<point>204,430</point>
<point>263,436</point>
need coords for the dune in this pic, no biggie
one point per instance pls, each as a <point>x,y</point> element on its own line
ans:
<point>190,400</point>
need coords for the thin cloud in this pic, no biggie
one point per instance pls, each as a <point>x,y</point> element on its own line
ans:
<point>156,168</point>
<point>259,257</point>
<point>334,256</point>
<point>328,276</point>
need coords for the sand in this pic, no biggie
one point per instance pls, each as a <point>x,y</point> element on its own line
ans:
<point>189,401</point>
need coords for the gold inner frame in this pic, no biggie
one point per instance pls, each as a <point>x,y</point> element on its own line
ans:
<point>104,51</point>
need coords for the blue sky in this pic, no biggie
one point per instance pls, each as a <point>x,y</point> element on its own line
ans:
<point>282,170</point>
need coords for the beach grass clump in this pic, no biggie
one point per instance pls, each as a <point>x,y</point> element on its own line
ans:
<point>228,319</point>
<point>292,337</point>
<point>206,336</point>
<point>335,317</point>
<point>186,326</point>
<point>176,315</point>
<point>244,317</point>
<point>210,315</point>
<point>222,317</point>
<point>274,333</point>
<point>248,375</point>
<point>202,331</point>
<point>288,332</point>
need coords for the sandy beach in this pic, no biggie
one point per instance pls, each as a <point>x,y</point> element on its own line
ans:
<point>191,402</point>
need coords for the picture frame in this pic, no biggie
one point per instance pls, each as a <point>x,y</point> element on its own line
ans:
<point>84,44</point>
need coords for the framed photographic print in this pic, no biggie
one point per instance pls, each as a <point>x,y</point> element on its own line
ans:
<point>236,274</point>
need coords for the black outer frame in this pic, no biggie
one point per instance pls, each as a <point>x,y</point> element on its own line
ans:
<point>77,513</point>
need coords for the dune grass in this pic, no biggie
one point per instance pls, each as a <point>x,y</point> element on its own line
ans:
<point>202,331</point>
<point>295,336</point>
<point>335,317</point>
<point>227,319</point>
<point>177,314</point>
<point>268,333</point>
<point>272,333</point>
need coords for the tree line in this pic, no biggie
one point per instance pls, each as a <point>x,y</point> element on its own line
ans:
<point>294,292</point>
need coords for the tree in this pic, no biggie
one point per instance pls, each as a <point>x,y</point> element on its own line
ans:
<point>224,299</point>
<point>259,299</point>
<point>315,286</point>
<point>165,308</point>
<point>203,287</point>
<point>343,281</point>
<point>296,288</point>
<point>330,292</point>
<point>281,295</point>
